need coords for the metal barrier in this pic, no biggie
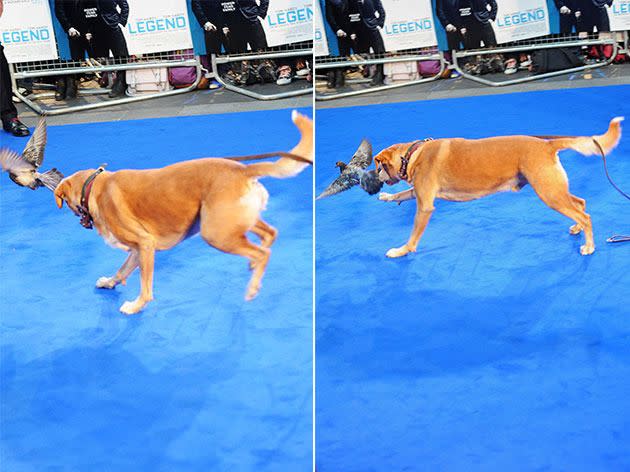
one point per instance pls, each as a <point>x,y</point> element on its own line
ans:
<point>38,69</point>
<point>537,44</point>
<point>278,52</point>
<point>415,55</point>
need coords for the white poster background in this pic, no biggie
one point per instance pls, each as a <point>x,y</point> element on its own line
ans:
<point>157,26</point>
<point>26,31</point>
<point>408,24</point>
<point>619,15</point>
<point>320,46</point>
<point>288,21</point>
<point>521,19</point>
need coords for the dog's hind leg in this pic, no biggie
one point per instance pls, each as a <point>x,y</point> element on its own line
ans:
<point>123,273</point>
<point>552,186</point>
<point>265,232</point>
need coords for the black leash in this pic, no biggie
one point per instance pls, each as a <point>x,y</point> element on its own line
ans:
<point>616,238</point>
<point>255,157</point>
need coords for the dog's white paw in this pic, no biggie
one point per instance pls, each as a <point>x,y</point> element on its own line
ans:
<point>385,197</point>
<point>106,282</point>
<point>131,308</point>
<point>398,252</point>
<point>252,292</point>
<point>575,229</point>
<point>587,249</point>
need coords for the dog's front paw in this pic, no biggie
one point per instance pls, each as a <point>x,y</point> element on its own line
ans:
<point>587,249</point>
<point>575,229</point>
<point>398,251</point>
<point>252,291</point>
<point>106,282</point>
<point>386,197</point>
<point>131,308</point>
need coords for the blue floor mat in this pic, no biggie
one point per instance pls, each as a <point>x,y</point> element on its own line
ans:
<point>496,346</point>
<point>201,380</point>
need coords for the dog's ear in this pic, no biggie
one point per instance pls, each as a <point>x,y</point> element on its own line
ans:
<point>60,194</point>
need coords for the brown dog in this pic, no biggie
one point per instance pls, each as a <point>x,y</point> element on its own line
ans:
<point>465,169</point>
<point>143,211</point>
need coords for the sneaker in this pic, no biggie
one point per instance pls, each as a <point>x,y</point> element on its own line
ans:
<point>525,61</point>
<point>455,74</point>
<point>511,67</point>
<point>302,69</point>
<point>284,75</point>
<point>213,85</point>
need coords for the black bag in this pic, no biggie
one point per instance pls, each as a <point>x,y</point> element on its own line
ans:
<point>552,60</point>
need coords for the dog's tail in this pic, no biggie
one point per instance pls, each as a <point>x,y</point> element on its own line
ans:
<point>590,145</point>
<point>288,166</point>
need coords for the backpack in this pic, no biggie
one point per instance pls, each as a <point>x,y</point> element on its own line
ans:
<point>552,60</point>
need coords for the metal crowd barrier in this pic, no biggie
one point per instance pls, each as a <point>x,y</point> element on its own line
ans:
<point>415,55</point>
<point>533,45</point>
<point>291,50</point>
<point>39,69</point>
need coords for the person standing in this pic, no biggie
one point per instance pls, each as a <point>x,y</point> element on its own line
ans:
<point>76,17</point>
<point>372,16</point>
<point>111,15</point>
<point>594,15</point>
<point>344,21</point>
<point>569,15</point>
<point>244,26</point>
<point>8,112</point>
<point>448,12</point>
<point>477,17</point>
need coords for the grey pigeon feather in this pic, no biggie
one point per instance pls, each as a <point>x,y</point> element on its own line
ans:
<point>352,173</point>
<point>23,169</point>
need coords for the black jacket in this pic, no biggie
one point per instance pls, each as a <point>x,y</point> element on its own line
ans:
<point>480,10</point>
<point>599,3</point>
<point>572,5</point>
<point>368,9</point>
<point>73,14</point>
<point>208,11</point>
<point>251,11</point>
<point>109,14</point>
<point>448,12</point>
<point>337,15</point>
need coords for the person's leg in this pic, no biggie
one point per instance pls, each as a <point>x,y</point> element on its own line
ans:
<point>602,20</point>
<point>8,111</point>
<point>566,23</point>
<point>258,39</point>
<point>118,46</point>
<point>378,46</point>
<point>488,36</point>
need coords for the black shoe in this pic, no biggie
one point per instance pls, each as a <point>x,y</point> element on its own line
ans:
<point>71,87</point>
<point>340,77</point>
<point>15,127</point>
<point>60,89</point>
<point>118,89</point>
<point>379,77</point>
<point>331,81</point>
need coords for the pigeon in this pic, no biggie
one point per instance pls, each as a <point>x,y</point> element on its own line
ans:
<point>354,173</point>
<point>22,169</point>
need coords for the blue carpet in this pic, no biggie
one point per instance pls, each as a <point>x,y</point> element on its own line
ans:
<point>496,346</point>
<point>200,380</point>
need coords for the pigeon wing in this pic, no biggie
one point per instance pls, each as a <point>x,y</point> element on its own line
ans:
<point>12,162</point>
<point>50,179</point>
<point>362,157</point>
<point>34,150</point>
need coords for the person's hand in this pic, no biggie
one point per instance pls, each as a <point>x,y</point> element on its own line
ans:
<point>73,33</point>
<point>353,36</point>
<point>88,36</point>
<point>578,14</point>
<point>209,26</point>
<point>341,33</point>
<point>450,28</point>
<point>489,7</point>
<point>463,30</point>
<point>226,30</point>
<point>564,10</point>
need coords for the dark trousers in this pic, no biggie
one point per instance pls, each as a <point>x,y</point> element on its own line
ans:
<point>245,33</point>
<point>79,47</point>
<point>454,40</point>
<point>110,39</point>
<point>7,108</point>
<point>371,38</point>
<point>594,17</point>
<point>567,23</point>
<point>345,45</point>
<point>478,32</point>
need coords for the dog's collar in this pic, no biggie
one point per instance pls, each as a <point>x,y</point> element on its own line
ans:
<point>404,160</point>
<point>84,207</point>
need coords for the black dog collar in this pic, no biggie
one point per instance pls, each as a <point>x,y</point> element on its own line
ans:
<point>84,208</point>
